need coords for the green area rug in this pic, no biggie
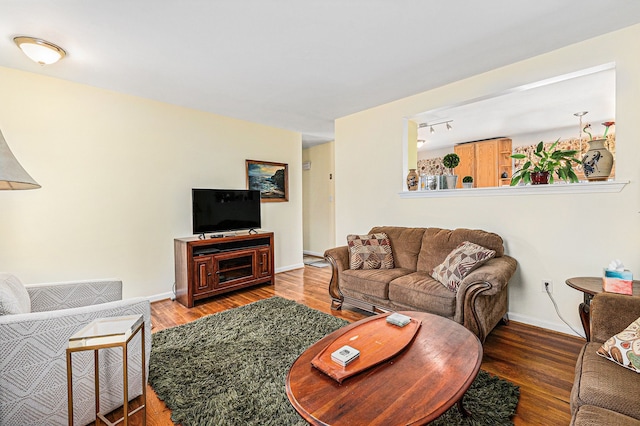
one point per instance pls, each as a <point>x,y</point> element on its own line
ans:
<point>230,368</point>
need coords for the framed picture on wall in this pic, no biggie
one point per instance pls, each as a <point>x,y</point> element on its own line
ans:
<point>271,179</point>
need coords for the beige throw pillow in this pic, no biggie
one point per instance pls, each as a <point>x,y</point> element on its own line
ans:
<point>624,347</point>
<point>370,251</point>
<point>459,263</point>
<point>14,298</point>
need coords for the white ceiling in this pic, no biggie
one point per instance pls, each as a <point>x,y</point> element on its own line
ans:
<point>294,64</point>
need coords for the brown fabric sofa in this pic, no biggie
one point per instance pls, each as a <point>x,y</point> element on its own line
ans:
<point>479,304</point>
<point>605,393</point>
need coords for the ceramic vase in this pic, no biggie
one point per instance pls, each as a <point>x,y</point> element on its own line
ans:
<point>598,161</point>
<point>412,180</point>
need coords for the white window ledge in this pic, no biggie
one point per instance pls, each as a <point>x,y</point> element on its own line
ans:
<point>559,188</point>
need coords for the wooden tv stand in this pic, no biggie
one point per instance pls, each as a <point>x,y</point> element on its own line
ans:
<point>211,266</point>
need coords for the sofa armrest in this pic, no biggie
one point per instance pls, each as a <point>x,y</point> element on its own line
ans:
<point>73,294</point>
<point>482,299</point>
<point>338,258</point>
<point>611,313</point>
<point>496,272</point>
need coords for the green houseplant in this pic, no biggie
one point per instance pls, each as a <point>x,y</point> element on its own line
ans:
<point>467,181</point>
<point>540,170</point>
<point>451,161</point>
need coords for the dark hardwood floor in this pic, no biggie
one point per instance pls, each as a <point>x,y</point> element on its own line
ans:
<point>539,361</point>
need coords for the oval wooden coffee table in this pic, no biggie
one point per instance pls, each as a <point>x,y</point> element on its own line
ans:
<point>413,388</point>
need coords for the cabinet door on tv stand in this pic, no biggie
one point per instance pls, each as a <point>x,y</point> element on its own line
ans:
<point>203,274</point>
<point>234,268</point>
<point>264,262</point>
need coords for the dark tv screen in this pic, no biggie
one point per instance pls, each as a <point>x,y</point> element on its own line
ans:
<point>218,210</point>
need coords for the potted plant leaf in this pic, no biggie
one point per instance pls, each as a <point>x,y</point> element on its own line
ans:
<point>451,161</point>
<point>547,162</point>
<point>467,182</point>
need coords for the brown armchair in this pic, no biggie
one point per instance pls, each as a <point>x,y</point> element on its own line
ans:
<point>603,391</point>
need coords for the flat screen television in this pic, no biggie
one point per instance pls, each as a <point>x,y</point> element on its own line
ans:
<point>219,210</point>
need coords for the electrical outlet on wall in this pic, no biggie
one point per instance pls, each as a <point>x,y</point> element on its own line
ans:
<point>547,284</point>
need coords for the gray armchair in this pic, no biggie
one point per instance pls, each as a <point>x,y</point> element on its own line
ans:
<point>33,376</point>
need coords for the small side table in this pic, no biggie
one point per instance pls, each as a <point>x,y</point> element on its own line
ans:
<point>591,286</point>
<point>115,332</point>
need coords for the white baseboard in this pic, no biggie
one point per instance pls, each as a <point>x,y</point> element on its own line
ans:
<point>289,267</point>
<point>554,326</point>
<point>161,296</point>
<point>312,253</point>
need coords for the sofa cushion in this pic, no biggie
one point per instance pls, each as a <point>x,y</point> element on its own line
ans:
<point>374,282</point>
<point>371,251</point>
<point>438,243</point>
<point>405,244</point>
<point>457,265</point>
<point>604,384</point>
<point>421,291</point>
<point>14,298</point>
<point>624,347</point>
<point>588,415</point>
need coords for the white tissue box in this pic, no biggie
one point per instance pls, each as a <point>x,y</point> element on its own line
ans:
<point>618,281</point>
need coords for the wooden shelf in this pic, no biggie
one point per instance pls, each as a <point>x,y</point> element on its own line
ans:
<point>559,188</point>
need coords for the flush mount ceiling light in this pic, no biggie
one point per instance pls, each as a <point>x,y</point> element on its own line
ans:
<point>40,51</point>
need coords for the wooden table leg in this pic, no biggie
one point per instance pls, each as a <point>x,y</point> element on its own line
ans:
<point>585,318</point>
<point>465,413</point>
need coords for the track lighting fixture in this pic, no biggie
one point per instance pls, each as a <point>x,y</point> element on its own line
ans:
<point>430,125</point>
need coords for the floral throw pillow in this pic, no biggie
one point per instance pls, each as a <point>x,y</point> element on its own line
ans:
<point>370,251</point>
<point>624,347</point>
<point>462,260</point>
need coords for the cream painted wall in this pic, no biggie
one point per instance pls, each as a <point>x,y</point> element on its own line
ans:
<point>552,236</point>
<point>116,174</point>
<point>412,141</point>
<point>318,194</point>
